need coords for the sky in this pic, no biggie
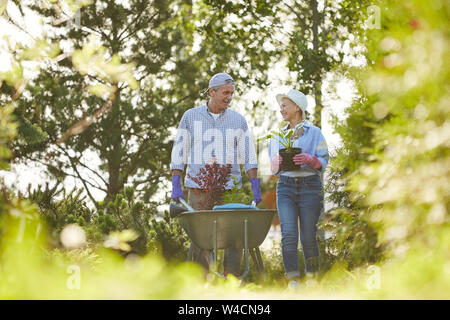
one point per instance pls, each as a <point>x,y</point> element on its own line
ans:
<point>21,175</point>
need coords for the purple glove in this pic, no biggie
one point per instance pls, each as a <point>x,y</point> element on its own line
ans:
<point>306,158</point>
<point>176,188</point>
<point>256,190</point>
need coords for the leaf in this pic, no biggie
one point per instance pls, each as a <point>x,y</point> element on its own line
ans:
<point>267,136</point>
<point>289,134</point>
<point>118,239</point>
<point>101,90</point>
<point>3,4</point>
<point>13,77</point>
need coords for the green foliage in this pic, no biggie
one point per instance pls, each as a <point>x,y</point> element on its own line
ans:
<point>405,180</point>
<point>236,194</point>
<point>273,268</point>
<point>354,240</point>
<point>392,173</point>
<point>317,39</point>
<point>285,137</point>
<point>27,266</point>
<point>126,212</point>
<point>122,221</point>
<point>59,208</point>
<point>160,55</point>
<point>168,239</point>
<point>353,237</point>
<point>389,181</point>
<point>7,133</point>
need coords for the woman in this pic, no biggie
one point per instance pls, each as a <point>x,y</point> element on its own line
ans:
<point>299,192</point>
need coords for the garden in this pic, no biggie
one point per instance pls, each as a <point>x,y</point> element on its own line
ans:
<point>92,91</point>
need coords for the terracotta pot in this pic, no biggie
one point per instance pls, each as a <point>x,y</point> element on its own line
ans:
<point>288,164</point>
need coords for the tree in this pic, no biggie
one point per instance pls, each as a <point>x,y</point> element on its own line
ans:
<point>136,67</point>
<point>318,33</point>
<point>392,171</point>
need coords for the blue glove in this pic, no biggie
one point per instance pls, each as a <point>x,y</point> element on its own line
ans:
<point>256,190</point>
<point>176,188</point>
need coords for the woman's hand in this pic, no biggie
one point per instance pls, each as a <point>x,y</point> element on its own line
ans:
<point>275,163</point>
<point>306,158</point>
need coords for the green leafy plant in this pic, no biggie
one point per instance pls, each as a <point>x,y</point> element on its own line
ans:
<point>236,194</point>
<point>127,212</point>
<point>286,137</point>
<point>59,207</point>
<point>168,239</point>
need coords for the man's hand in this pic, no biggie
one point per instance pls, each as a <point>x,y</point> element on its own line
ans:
<point>176,188</point>
<point>306,158</point>
<point>275,163</point>
<point>256,190</point>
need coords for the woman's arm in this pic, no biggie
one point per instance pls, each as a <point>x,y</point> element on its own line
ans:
<point>321,151</point>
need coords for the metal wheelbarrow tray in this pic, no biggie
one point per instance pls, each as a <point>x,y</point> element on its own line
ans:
<point>221,229</point>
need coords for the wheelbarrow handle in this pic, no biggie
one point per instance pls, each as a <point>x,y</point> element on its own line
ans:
<point>186,204</point>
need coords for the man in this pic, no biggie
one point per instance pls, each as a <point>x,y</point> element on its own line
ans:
<point>213,132</point>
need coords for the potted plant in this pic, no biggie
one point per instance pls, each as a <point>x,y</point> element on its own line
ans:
<point>286,138</point>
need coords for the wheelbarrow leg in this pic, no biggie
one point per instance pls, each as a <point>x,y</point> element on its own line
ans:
<point>213,257</point>
<point>190,253</point>
<point>257,261</point>
<point>260,263</point>
<point>247,266</point>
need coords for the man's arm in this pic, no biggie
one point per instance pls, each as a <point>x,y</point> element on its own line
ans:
<point>181,146</point>
<point>180,154</point>
<point>177,172</point>
<point>252,173</point>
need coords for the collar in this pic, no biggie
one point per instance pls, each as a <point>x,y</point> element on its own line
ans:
<point>306,125</point>
<point>206,109</point>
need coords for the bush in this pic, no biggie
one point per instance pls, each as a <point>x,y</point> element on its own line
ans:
<point>125,212</point>
<point>164,237</point>
<point>168,239</point>
<point>57,213</point>
<point>353,240</point>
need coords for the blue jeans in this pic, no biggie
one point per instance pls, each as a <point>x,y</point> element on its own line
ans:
<point>299,198</point>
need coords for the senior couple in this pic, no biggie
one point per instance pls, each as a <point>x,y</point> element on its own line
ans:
<point>202,136</point>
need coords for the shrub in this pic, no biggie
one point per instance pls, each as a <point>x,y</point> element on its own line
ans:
<point>212,179</point>
<point>236,194</point>
<point>59,208</point>
<point>168,239</point>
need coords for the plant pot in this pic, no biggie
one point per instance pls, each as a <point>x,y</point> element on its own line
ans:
<point>288,164</point>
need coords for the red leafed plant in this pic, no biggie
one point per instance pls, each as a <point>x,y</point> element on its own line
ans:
<point>212,180</point>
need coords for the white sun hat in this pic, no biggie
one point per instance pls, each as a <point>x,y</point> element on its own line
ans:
<point>297,97</point>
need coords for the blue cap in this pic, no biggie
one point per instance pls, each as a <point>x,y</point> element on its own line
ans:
<point>220,79</point>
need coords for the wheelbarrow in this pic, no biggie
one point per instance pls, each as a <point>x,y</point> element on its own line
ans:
<point>222,229</point>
